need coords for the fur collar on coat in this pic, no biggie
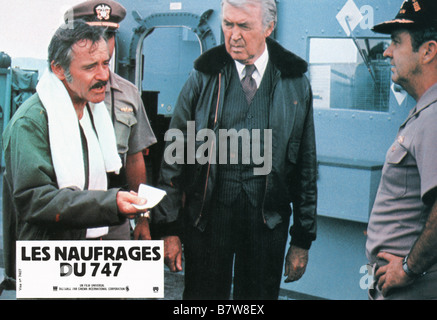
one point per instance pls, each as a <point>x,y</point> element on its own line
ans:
<point>289,64</point>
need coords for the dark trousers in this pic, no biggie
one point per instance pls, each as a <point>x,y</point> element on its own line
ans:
<point>235,241</point>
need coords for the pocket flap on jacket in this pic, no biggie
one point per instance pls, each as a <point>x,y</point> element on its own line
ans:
<point>126,118</point>
<point>396,154</point>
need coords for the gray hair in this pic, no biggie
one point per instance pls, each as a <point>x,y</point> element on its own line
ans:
<point>268,7</point>
<point>60,50</point>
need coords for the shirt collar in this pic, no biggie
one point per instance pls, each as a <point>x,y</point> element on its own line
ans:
<point>427,98</point>
<point>260,64</point>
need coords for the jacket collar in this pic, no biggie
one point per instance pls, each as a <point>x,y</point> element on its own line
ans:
<point>289,64</point>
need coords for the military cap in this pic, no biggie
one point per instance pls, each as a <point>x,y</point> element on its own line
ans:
<point>414,14</point>
<point>102,13</point>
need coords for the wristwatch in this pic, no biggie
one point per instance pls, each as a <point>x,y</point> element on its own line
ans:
<point>145,215</point>
<point>410,272</point>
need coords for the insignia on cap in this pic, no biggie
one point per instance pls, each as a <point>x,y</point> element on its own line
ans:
<point>403,6</point>
<point>416,6</point>
<point>103,11</point>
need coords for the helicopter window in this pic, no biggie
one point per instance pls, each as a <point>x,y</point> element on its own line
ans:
<point>350,73</point>
<point>168,54</point>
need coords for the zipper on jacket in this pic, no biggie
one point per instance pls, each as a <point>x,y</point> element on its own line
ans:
<point>209,163</point>
<point>264,200</point>
<point>275,82</point>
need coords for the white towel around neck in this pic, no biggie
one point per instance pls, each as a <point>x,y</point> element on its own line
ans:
<point>64,134</point>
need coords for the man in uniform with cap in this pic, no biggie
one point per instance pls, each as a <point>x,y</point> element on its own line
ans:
<point>131,125</point>
<point>402,230</point>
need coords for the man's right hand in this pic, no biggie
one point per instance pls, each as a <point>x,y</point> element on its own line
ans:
<point>173,253</point>
<point>124,203</point>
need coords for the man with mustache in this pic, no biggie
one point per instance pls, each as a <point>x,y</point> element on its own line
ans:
<point>125,106</point>
<point>402,231</point>
<point>99,85</point>
<point>59,147</point>
<point>250,82</point>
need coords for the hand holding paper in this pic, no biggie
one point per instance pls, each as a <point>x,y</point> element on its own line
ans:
<point>153,196</point>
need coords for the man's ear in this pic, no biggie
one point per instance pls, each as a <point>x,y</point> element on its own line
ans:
<point>268,31</point>
<point>430,51</point>
<point>58,70</point>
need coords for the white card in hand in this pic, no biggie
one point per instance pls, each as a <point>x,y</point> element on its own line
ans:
<point>151,194</point>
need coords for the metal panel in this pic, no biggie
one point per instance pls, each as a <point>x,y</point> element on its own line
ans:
<point>347,188</point>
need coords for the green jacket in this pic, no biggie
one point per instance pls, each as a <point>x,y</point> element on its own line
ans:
<point>294,166</point>
<point>34,208</point>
